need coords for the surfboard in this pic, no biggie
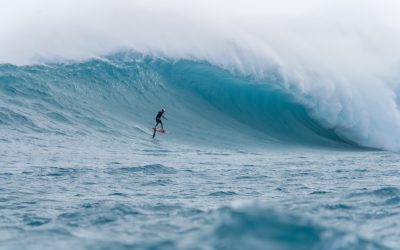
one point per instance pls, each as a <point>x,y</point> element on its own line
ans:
<point>159,130</point>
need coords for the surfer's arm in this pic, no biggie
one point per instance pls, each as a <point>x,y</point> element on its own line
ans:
<point>164,117</point>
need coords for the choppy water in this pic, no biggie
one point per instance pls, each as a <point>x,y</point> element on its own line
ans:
<point>243,165</point>
<point>59,193</point>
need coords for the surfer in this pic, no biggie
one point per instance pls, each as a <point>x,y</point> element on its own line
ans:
<point>160,115</point>
<point>158,119</point>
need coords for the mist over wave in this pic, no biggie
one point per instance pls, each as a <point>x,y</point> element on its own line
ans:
<point>338,60</point>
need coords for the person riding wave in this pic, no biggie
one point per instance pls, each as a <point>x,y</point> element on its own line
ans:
<point>160,115</point>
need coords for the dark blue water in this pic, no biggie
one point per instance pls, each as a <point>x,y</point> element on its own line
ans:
<point>244,164</point>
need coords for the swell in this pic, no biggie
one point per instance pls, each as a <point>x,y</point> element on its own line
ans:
<point>119,95</point>
<point>259,228</point>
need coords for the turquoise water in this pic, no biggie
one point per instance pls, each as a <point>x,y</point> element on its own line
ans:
<point>245,164</point>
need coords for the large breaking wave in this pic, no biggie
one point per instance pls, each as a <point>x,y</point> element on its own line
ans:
<point>119,95</point>
<point>307,72</point>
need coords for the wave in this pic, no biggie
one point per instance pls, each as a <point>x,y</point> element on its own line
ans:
<point>326,72</point>
<point>247,227</point>
<point>119,95</point>
<point>259,228</point>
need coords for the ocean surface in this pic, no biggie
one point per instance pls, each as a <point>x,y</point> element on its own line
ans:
<point>245,162</point>
<point>283,124</point>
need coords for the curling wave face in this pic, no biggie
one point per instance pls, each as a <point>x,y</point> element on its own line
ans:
<point>119,96</point>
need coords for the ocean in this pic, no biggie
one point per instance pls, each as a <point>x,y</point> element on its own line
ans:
<point>270,144</point>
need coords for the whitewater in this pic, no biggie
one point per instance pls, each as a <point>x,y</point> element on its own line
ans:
<point>283,124</point>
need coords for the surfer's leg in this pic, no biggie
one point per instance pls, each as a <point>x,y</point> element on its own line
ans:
<point>154,130</point>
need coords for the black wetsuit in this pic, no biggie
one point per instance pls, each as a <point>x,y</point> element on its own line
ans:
<point>158,117</point>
